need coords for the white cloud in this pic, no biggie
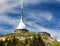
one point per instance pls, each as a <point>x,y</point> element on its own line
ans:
<point>40,15</point>
<point>2,1</point>
<point>5,31</point>
<point>36,1</point>
<point>8,20</point>
<point>57,0</point>
<point>31,2</point>
<point>6,5</point>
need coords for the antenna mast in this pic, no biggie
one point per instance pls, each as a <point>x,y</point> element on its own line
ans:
<point>21,7</point>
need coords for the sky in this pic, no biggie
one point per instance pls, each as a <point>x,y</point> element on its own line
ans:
<point>39,16</point>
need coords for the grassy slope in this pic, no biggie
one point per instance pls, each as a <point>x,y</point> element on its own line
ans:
<point>49,41</point>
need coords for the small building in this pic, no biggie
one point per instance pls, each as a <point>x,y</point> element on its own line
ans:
<point>44,33</point>
<point>21,30</point>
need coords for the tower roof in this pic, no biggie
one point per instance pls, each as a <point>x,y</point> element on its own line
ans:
<point>21,24</point>
<point>21,20</point>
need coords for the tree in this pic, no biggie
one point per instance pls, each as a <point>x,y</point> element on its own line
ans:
<point>40,41</point>
<point>14,41</point>
<point>9,43</point>
<point>6,40</point>
<point>1,42</point>
<point>26,41</point>
<point>37,41</point>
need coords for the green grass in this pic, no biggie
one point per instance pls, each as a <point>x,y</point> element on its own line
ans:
<point>54,44</point>
<point>45,37</point>
<point>26,35</point>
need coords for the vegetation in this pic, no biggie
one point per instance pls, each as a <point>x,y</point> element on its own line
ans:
<point>26,39</point>
<point>54,44</point>
<point>37,41</point>
<point>13,41</point>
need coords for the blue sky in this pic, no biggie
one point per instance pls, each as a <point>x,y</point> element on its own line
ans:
<point>39,16</point>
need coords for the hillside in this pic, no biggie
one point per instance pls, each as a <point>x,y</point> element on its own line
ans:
<point>49,41</point>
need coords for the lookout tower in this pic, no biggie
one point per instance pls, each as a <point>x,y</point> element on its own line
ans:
<point>21,26</point>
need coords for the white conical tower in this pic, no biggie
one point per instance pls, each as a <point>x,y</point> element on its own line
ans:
<point>21,24</point>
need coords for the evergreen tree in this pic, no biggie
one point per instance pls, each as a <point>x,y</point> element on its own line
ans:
<point>1,42</point>
<point>36,41</point>
<point>5,43</point>
<point>9,43</point>
<point>40,41</point>
<point>26,41</point>
<point>14,41</point>
<point>33,42</point>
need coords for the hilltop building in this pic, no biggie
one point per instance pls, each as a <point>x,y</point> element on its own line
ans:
<point>45,34</point>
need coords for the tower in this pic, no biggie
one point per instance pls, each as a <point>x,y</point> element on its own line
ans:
<point>21,26</point>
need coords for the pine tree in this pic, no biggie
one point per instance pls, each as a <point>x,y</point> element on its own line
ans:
<point>40,41</point>
<point>26,41</point>
<point>1,42</point>
<point>5,43</point>
<point>9,43</point>
<point>36,41</point>
<point>14,41</point>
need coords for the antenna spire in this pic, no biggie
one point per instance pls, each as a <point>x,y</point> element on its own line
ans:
<point>21,27</point>
<point>21,4</point>
<point>21,9</point>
